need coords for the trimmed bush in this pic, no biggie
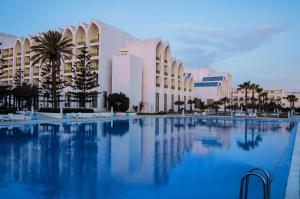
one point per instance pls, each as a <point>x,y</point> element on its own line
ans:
<point>67,110</point>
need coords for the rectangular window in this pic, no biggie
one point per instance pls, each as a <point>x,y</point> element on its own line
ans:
<point>157,102</point>
<point>165,102</point>
<point>172,103</point>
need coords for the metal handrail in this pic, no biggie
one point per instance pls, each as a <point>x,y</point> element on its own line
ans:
<point>264,179</point>
<point>244,194</point>
<point>268,180</point>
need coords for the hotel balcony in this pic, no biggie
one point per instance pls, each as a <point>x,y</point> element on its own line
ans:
<point>18,54</point>
<point>166,86</point>
<point>190,90</point>
<point>166,73</point>
<point>173,87</point>
<point>179,88</point>
<point>166,62</point>
<point>157,71</point>
<point>157,60</point>
<point>80,43</point>
<point>172,75</point>
<point>27,52</point>
<point>157,84</point>
<point>94,54</point>
<point>94,41</point>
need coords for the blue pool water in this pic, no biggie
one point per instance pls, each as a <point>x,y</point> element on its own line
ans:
<point>153,157</point>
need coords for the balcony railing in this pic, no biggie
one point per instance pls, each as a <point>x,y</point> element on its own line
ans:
<point>27,52</point>
<point>94,41</point>
<point>18,54</point>
<point>81,43</point>
<point>4,56</point>
<point>157,84</point>
<point>35,73</point>
<point>95,67</point>
<point>94,54</point>
<point>68,70</point>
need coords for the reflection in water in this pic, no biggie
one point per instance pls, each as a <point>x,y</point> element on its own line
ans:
<point>92,160</point>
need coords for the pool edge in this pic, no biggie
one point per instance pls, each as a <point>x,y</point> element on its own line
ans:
<point>293,186</point>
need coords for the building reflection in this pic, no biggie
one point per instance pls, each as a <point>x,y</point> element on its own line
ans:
<point>89,159</point>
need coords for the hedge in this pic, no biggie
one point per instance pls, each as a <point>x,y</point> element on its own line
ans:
<point>67,110</point>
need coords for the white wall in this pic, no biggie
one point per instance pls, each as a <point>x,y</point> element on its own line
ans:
<point>127,77</point>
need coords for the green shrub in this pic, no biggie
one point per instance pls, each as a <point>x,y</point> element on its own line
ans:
<point>67,110</point>
<point>7,110</point>
<point>118,101</point>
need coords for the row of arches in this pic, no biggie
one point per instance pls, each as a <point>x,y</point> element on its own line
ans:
<point>83,34</point>
<point>170,70</point>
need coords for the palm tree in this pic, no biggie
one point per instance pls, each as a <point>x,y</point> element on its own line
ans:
<point>225,101</point>
<point>50,50</point>
<point>259,91</point>
<point>292,99</point>
<point>245,87</point>
<point>253,88</point>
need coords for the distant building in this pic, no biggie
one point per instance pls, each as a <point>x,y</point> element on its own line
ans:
<point>276,95</point>
<point>210,85</point>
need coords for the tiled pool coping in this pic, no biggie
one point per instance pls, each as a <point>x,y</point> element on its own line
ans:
<point>293,186</point>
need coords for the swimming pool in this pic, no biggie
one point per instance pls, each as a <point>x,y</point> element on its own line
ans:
<point>151,157</point>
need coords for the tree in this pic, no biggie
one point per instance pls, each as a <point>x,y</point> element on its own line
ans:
<point>199,104</point>
<point>50,49</point>
<point>215,105</point>
<point>18,77</point>
<point>292,99</point>
<point>119,102</point>
<point>224,101</point>
<point>259,91</point>
<point>191,102</point>
<point>84,79</point>
<point>245,87</point>
<point>253,88</point>
<point>179,103</point>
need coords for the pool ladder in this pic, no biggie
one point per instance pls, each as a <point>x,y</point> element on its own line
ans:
<point>262,175</point>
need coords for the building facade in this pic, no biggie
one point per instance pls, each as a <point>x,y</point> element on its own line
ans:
<point>276,95</point>
<point>162,82</point>
<point>210,85</point>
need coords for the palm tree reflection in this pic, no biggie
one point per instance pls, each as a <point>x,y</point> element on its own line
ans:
<point>252,142</point>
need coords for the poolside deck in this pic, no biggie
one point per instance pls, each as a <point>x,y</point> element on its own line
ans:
<point>293,184</point>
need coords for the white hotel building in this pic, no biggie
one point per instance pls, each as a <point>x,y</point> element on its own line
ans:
<point>210,85</point>
<point>142,69</point>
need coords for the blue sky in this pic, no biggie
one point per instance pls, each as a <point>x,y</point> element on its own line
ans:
<point>257,40</point>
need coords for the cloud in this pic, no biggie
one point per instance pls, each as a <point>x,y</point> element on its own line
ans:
<point>215,44</point>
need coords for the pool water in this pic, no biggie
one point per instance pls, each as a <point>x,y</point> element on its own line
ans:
<point>152,157</point>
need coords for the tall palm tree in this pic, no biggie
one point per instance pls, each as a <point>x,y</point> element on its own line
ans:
<point>225,101</point>
<point>292,99</point>
<point>253,88</point>
<point>50,50</point>
<point>245,87</point>
<point>259,91</point>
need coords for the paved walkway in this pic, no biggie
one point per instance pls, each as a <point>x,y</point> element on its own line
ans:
<point>293,184</point>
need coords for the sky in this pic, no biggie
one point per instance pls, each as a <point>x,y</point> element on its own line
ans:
<point>256,40</point>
